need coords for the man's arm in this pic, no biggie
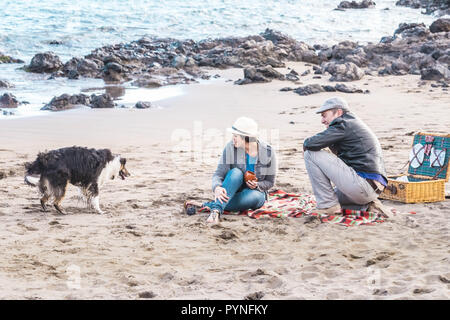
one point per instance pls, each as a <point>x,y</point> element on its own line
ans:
<point>327,138</point>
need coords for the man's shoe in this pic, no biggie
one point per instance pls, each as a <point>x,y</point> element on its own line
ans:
<point>377,207</point>
<point>334,210</point>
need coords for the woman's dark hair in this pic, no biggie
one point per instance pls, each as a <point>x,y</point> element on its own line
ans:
<point>250,139</point>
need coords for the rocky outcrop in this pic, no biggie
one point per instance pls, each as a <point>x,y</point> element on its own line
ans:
<point>437,7</point>
<point>66,102</point>
<point>8,100</point>
<point>46,62</point>
<point>147,60</point>
<point>154,62</point>
<point>356,5</point>
<point>412,48</point>
<point>316,88</point>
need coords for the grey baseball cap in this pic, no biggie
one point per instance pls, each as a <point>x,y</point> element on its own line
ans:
<point>334,103</point>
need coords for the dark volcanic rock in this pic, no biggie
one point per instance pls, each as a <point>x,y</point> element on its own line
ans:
<point>65,102</point>
<point>102,101</point>
<point>7,59</point>
<point>7,100</point>
<point>356,5</point>
<point>347,89</point>
<point>316,88</point>
<point>309,89</point>
<point>437,7</point>
<point>343,71</point>
<point>440,25</point>
<point>148,82</point>
<point>83,67</point>
<point>263,74</point>
<point>113,72</point>
<point>5,84</point>
<point>436,72</point>
<point>412,30</point>
<point>143,105</point>
<point>46,62</point>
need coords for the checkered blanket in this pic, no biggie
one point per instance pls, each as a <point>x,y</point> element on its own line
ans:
<point>282,204</point>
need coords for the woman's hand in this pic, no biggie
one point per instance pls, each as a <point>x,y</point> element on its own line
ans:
<point>220,194</point>
<point>252,184</point>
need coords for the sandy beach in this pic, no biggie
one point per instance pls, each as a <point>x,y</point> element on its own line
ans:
<point>145,247</point>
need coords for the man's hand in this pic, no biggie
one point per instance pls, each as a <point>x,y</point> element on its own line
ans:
<point>252,184</point>
<point>220,194</point>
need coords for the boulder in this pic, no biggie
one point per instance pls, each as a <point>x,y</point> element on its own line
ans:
<point>46,62</point>
<point>440,25</point>
<point>436,72</point>
<point>66,102</point>
<point>347,89</point>
<point>8,100</point>
<point>112,72</point>
<point>143,105</point>
<point>309,89</point>
<point>344,71</point>
<point>102,101</point>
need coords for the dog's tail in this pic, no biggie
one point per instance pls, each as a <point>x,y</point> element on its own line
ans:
<point>32,180</point>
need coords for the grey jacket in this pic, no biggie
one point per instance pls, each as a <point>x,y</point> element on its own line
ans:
<point>265,167</point>
<point>353,142</point>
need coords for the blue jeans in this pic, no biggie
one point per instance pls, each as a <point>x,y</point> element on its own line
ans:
<point>240,196</point>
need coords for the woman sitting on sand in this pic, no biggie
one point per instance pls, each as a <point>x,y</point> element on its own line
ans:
<point>246,171</point>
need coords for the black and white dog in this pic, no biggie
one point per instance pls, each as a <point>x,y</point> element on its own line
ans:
<point>85,168</point>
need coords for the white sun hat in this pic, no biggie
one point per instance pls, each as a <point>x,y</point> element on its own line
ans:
<point>245,127</point>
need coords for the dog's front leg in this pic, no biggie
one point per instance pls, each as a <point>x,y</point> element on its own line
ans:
<point>96,204</point>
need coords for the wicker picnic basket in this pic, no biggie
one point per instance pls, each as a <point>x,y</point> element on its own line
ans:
<point>426,183</point>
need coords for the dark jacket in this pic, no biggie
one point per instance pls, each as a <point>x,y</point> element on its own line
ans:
<point>265,167</point>
<point>353,142</point>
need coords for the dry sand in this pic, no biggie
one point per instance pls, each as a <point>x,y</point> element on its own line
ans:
<point>145,247</point>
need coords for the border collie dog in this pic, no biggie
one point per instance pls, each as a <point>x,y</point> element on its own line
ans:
<point>85,168</point>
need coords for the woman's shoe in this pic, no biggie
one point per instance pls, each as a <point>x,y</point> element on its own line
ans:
<point>213,217</point>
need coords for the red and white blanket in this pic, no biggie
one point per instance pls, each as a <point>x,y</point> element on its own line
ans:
<point>282,204</point>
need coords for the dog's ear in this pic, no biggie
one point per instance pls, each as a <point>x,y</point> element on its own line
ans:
<point>43,158</point>
<point>123,161</point>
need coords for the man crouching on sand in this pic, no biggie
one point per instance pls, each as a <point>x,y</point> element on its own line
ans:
<point>356,166</point>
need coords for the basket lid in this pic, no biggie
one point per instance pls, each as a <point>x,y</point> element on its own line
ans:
<point>433,159</point>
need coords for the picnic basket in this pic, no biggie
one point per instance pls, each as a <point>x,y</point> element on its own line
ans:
<point>426,182</point>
